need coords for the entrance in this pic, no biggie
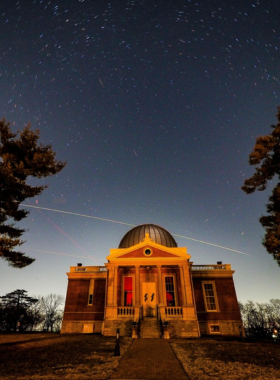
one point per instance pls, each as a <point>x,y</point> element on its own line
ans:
<point>149,299</point>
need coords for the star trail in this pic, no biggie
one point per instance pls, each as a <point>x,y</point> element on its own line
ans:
<point>156,107</point>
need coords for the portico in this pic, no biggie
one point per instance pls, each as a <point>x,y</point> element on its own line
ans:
<point>149,280</point>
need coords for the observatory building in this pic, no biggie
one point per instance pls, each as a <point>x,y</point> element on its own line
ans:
<point>150,288</point>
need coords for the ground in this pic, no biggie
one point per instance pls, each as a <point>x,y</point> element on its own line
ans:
<point>220,359</point>
<point>54,356</point>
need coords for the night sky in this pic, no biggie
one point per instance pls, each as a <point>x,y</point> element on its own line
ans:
<point>156,106</point>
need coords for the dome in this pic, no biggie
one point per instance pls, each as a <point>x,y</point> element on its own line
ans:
<point>137,234</point>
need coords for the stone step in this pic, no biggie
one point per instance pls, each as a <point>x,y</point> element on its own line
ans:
<point>150,328</point>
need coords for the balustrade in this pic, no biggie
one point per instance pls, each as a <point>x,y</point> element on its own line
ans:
<point>173,311</point>
<point>125,311</point>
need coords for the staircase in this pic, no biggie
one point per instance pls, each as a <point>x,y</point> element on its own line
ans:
<point>150,328</point>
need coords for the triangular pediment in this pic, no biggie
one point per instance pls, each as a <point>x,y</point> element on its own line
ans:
<point>148,250</point>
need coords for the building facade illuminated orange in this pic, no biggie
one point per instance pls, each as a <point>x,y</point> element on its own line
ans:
<point>150,288</point>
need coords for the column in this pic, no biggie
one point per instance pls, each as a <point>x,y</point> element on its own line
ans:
<point>189,311</point>
<point>115,300</point>
<point>110,285</point>
<point>188,285</point>
<point>160,295</point>
<point>183,286</point>
<point>137,285</point>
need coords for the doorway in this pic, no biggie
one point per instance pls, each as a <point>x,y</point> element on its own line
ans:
<point>149,299</point>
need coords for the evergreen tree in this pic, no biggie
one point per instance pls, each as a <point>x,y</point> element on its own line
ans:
<point>266,155</point>
<point>21,158</point>
<point>15,311</point>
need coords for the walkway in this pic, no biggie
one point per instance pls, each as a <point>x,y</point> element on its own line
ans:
<point>150,359</point>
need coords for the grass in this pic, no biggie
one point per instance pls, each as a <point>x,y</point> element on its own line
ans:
<point>54,356</point>
<point>220,359</point>
<point>79,357</point>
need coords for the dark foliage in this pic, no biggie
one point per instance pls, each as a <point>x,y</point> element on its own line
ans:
<point>21,158</point>
<point>19,312</point>
<point>16,311</point>
<point>266,155</point>
<point>260,319</point>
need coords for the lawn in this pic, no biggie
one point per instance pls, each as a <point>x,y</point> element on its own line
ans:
<point>221,359</point>
<point>79,357</point>
<point>55,356</point>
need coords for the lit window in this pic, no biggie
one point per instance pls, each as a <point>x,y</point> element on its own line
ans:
<point>210,296</point>
<point>169,291</point>
<point>214,329</point>
<point>128,294</point>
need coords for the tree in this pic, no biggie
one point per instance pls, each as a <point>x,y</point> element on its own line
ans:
<point>266,155</point>
<point>21,158</point>
<point>52,314</point>
<point>259,319</point>
<point>16,311</point>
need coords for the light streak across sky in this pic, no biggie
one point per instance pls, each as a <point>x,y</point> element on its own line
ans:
<point>63,232</point>
<point>132,225</point>
<point>63,254</point>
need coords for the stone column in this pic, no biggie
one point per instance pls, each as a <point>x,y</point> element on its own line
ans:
<point>110,285</point>
<point>137,285</point>
<point>160,295</point>
<point>115,301</point>
<point>183,286</point>
<point>188,311</point>
<point>111,309</point>
<point>188,285</point>
<point>161,306</point>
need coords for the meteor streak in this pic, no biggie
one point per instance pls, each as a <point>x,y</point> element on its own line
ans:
<point>62,253</point>
<point>76,214</point>
<point>214,245</point>
<point>132,225</point>
<point>63,232</point>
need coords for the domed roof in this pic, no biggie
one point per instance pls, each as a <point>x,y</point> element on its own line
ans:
<point>137,234</point>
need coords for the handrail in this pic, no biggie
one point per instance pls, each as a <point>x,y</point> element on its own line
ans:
<point>160,321</point>
<point>139,321</point>
<point>141,312</point>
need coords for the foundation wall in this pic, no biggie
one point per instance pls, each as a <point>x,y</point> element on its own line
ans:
<point>81,327</point>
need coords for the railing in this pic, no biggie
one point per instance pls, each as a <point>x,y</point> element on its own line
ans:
<point>210,267</point>
<point>158,313</point>
<point>141,313</point>
<point>125,311</point>
<point>173,311</point>
<point>139,321</point>
<point>94,269</point>
<point>160,320</point>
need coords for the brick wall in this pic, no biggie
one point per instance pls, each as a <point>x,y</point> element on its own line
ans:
<point>227,300</point>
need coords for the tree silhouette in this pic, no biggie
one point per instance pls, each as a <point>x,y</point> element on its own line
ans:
<point>21,158</point>
<point>266,155</point>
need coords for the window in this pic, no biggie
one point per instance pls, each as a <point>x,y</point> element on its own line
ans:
<point>90,299</point>
<point>210,297</point>
<point>214,329</point>
<point>90,292</point>
<point>147,251</point>
<point>128,293</point>
<point>169,291</point>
